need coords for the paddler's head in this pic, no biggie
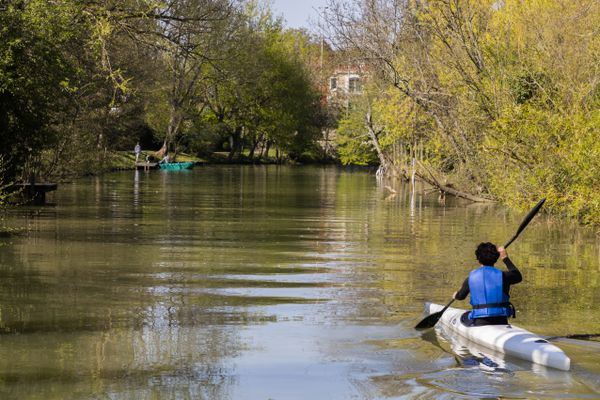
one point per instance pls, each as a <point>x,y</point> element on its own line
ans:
<point>487,253</point>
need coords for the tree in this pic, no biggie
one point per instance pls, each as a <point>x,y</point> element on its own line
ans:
<point>261,94</point>
<point>191,41</point>
<point>35,79</point>
<point>507,90</point>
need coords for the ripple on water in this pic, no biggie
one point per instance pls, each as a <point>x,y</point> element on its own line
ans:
<point>262,282</point>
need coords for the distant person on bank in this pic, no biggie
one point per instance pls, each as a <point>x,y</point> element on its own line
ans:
<point>489,288</point>
<point>137,150</point>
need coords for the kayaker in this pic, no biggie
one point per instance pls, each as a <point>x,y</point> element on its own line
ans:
<point>489,287</point>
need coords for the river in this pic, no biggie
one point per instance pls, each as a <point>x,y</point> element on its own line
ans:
<point>271,282</point>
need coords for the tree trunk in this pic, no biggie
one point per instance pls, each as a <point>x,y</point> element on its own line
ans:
<point>252,149</point>
<point>447,189</point>
<point>255,144</point>
<point>163,150</point>
<point>175,120</point>
<point>383,162</point>
<point>266,149</point>
<point>234,140</point>
<point>232,144</point>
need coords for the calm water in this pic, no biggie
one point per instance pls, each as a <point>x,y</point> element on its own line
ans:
<point>274,283</point>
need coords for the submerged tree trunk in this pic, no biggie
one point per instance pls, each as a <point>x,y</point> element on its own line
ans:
<point>448,189</point>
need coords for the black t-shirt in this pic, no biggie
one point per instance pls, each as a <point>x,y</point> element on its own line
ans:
<point>509,277</point>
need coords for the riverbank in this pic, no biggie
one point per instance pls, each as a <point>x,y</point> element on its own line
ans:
<point>125,160</point>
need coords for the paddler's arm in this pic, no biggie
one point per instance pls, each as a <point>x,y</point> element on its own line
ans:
<point>463,292</point>
<point>513,275</point>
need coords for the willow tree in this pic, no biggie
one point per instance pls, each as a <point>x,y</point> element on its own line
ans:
<point>510,87</point>
<point>544,70</point>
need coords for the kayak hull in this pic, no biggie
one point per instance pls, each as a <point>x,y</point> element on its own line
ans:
<point>176,166</point>
<point>507,339</point>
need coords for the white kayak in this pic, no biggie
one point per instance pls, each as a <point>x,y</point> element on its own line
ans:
<point>508,339</point>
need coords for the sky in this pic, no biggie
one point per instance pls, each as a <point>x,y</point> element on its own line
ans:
<point>298,12</point>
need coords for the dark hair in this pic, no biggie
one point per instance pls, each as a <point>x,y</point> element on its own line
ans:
<point>487,253</point>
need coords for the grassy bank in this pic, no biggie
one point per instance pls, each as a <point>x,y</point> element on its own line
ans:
<point>125,160</point>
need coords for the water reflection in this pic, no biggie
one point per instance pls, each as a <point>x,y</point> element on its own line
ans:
<point>269,282</point>
<point>136,188</point>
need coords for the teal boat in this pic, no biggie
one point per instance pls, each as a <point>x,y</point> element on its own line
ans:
<point>176,166</point>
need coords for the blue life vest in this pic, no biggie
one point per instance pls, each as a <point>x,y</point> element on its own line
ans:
<point>487,297</point>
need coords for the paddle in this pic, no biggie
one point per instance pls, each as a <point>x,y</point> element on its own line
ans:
<point>431,320</point>
<point>526,221</point>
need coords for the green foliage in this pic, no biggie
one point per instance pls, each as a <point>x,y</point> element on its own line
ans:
<point>530,86</point>
<point>547,154</point>
<point>353,144</point>
<point>6,187</point>
<point>261,93</point>
<point>503,96</point>
<point>34,79</point>
<point>80,79</point>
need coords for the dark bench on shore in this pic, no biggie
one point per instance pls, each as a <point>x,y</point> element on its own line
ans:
<point>35,193</point>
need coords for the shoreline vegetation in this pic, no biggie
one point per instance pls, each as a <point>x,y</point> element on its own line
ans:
<point>482,99</point>
<point>500,99</point>
<point>125,160</point>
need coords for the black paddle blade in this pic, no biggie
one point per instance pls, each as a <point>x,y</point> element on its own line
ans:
<point>429,321</point>
<point>527,220</point>
<point>432,319</point>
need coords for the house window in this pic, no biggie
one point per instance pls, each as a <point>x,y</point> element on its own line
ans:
<point>353,85</point>
<point>333,83</point>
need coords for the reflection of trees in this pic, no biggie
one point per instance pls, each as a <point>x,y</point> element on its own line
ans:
<point>121,289</point>
<point>133,292</point>
<point>68,328</point>
<point>84,307</point>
